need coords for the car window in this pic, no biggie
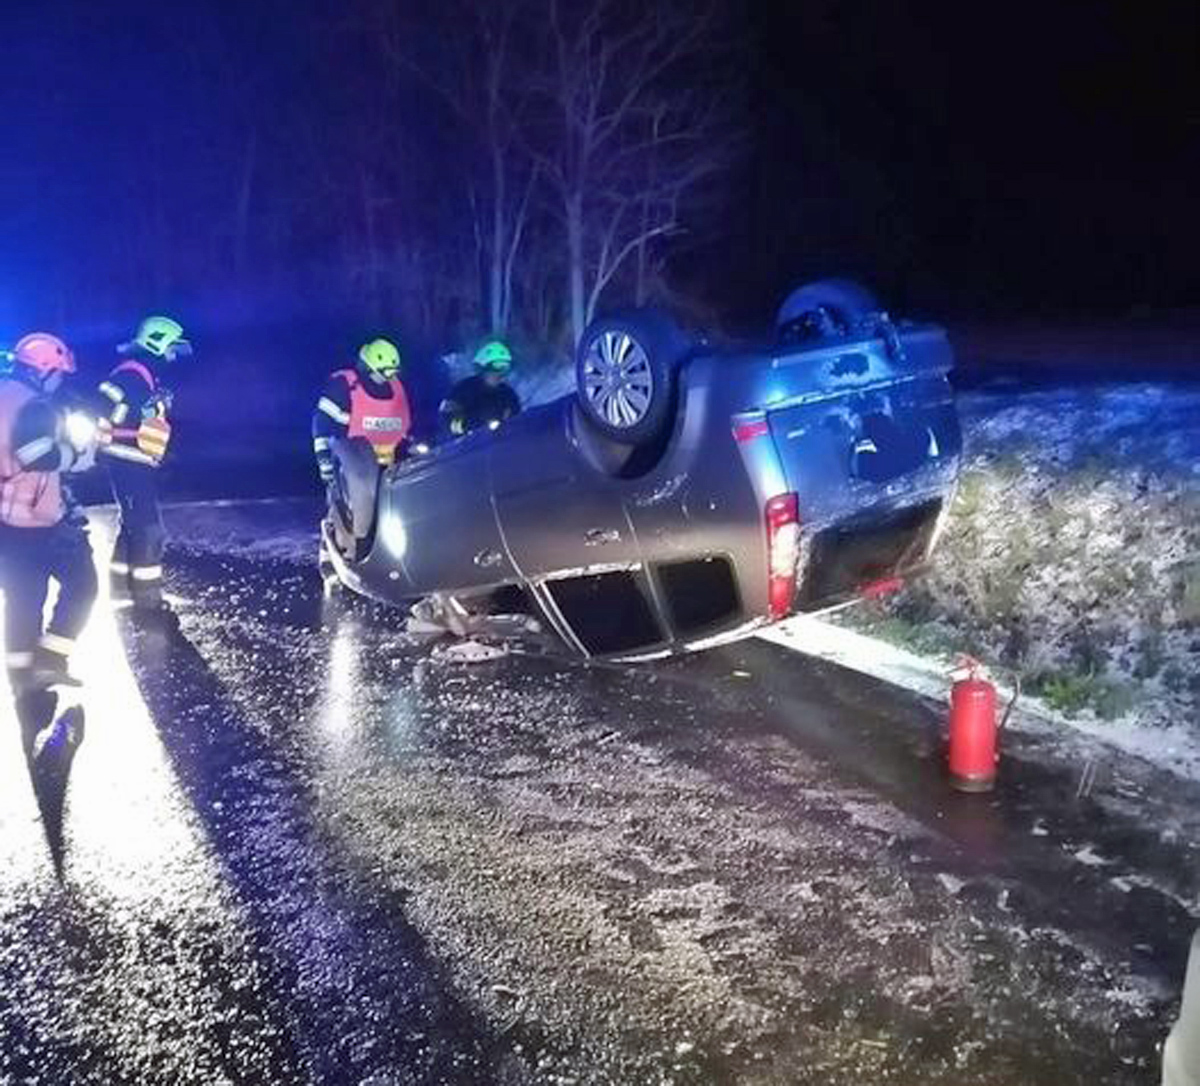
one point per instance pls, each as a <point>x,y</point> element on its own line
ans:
<point>609,612</point>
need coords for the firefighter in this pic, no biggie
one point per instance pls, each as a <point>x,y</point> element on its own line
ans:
<point>134,434</point>
<point>363,413</point>
<point>41,537</point>
<point>485,398</point>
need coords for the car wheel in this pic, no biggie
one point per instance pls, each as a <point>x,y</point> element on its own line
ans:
<point>625,374</point>
<point>826,308</point>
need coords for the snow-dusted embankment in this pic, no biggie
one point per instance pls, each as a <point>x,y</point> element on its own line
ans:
<point>1072,557</point>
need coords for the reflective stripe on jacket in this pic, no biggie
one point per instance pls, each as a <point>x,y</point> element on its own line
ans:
<point>385,423</point>
<point>28,499</point>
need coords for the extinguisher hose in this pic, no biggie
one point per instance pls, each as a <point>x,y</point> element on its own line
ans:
<point>1009,708</point>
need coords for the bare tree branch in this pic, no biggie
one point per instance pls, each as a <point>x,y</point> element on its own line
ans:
<point>605,274</point>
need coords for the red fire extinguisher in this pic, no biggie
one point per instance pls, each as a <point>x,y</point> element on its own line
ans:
<point>974,733</point>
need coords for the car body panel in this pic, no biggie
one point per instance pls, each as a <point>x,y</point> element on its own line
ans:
<point>551,502</point>
<point>449,522</point>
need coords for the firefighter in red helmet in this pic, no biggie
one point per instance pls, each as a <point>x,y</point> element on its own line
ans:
<point>40,539</point>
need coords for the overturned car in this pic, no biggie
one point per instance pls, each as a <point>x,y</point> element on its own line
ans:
<point>684,494</point>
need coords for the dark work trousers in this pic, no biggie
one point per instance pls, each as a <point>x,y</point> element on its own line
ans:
<point>136,567</point>
<point>29,559</point>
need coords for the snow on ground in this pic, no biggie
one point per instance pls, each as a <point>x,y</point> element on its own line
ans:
<point>1072,558</point>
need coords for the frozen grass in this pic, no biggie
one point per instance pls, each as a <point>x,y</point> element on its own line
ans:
<point>1072,555</point>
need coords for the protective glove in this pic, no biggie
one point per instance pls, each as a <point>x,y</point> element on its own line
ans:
<point>325,467</point>
<point>79,432</point>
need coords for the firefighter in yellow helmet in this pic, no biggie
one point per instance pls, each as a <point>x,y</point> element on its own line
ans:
<point>135,432</point>
<point>363,414</point>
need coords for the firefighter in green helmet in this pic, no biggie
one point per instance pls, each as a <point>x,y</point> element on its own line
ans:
<point>485,399</point>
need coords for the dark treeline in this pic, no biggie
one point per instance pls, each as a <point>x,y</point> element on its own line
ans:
<point>444,169</point>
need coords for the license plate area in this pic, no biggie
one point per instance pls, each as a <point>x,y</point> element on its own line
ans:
<point>846,558</point>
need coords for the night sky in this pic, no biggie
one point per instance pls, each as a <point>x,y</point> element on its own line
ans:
<point>997,156</point>
<point>966,158</point>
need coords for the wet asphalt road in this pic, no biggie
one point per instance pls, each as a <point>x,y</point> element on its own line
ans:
<point>298,848</point>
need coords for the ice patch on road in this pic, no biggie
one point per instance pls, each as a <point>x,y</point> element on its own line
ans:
<point>953,885</point>
<point>1131,881</point>
<point>283,530</point>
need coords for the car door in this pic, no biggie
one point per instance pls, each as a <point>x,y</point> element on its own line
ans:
<point>556,512</point>
<point>448,521</point>
<point>567,530</point>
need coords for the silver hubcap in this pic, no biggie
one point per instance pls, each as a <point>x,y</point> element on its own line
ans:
<point>617,379</point>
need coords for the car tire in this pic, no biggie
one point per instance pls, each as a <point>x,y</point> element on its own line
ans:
<point>828,307</point>
<point>337,499</point>
<point>625,371</point>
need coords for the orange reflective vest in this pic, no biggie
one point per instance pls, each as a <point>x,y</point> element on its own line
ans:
<point>384,423</point>
<point>28,499</point>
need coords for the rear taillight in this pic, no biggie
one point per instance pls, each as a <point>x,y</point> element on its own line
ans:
<point>747,428</point>
<point>783,552</point>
